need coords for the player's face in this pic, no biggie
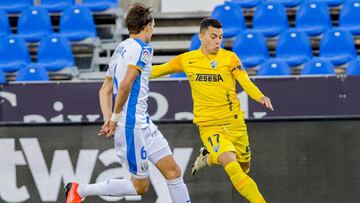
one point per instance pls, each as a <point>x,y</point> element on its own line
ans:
<point>211,40</point>
<point>149,31</point>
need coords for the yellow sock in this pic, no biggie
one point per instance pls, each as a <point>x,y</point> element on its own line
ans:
<point>243,183</point>
<point>211,160</point>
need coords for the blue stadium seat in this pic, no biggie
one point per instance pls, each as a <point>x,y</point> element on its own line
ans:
<point>273,67</point>
<point>32,73</point>
<point>331,3</point>
<point>54,53</point>
<point>2,77</point>
<point>77,23</point>
<point>353,68</point>
<point>178,75</point>
<point>338,47</point>
<point>318,66</point>
<point>34,23</point>
<point>270,19</point>
<point>231,17</point>
<point>15,6</point>
<point>247,3</point>
<point>294,48</point>
<point>350,17</point>
<point>100,5</point>
<point>56,6</point>
<point>251,48</point>
<point>4,24</point>
<point>14,53</point>
<point>313,18</point>
<point>195,42</point>
<point>287,3</point>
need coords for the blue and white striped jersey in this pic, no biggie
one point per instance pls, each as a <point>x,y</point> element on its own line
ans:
<point>138,53</point>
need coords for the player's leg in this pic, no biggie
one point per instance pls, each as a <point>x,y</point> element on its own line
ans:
<point>237,165</point>
<point>212,138</point>
<point>171,171</point>
<point>245,185</point>
<point>137,162</point>
<point>223,152</point>
<point>160,155</point>
<point>245,166</point>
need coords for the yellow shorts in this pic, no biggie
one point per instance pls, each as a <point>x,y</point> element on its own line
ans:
<point>230,137</point>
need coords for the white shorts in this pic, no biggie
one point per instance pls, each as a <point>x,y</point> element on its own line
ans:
<point>136,146</point>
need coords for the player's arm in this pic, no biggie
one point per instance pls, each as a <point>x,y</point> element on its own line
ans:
<point>172,66</point>
<point>250,88</point>
<point>123,93</point>
<point>105,97</point>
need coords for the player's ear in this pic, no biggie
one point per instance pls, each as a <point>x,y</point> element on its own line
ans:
<point>201,35</point>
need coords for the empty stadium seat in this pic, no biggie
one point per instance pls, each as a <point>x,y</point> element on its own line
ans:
<point>270,19</point>
<point>34,23</point>
<point>318,66</point>
<point>313,18</point>
<point>195,42</point>
<point>2,77</point>
<point>14,53</point>
<point>247,3</point>
<point>331,3</point>
<point>4,24</point>
<point>231,17</point>
<point>77,23</point>
<point>294,48</point>
<point>178,75</point>
<point>287,3</point>
<point>54,53</point>
<point>15,6</point>
<point>32,73</point>
<point>273,67</point>
<point>251,48</point>
<point>350,17</point>
<point>353,68</point>
<point>338,47</point>
<point>100,5</point>
<point>56,6</point>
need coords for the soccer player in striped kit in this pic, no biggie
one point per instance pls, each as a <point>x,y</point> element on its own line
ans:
<point>137,139</point>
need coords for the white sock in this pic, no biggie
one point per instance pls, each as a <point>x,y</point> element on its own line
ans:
<point>115,187</point>
<point>178,190</point>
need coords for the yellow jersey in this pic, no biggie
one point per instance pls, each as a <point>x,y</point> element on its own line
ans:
<point>213,84</point>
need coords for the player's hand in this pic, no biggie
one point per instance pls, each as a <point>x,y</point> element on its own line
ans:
<point>104,129</point>
<point>112,127</point>
<point>266,102</point>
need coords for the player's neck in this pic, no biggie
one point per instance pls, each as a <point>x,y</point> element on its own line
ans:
<point>204,51</point>
<point>141,36</point>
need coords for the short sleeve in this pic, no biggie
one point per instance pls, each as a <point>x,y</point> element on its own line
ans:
<point>110,70</point>
<point>139,56</point>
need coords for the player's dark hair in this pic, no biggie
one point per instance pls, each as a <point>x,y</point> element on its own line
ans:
<point>209,22</point>
<point>138,17</point>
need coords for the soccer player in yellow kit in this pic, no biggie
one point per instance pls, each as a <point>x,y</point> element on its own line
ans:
<point>212,73</point>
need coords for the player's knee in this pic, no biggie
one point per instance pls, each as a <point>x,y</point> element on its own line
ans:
<point>245,166</point>
<point>173,172</point>
<point>141,187</point>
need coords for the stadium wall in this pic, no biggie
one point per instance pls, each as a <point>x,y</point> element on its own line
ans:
<point>292,161</point>
<point>292,97</point>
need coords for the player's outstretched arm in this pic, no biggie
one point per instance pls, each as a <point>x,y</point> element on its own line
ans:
<point>172,66</point>
<point>253,91</point>
<point>266,102</point>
